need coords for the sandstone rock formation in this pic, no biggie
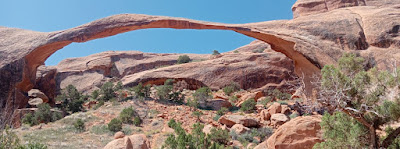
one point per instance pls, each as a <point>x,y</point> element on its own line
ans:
<point>230,120</point>
<point>299,133</point>
<point>137,141</point>
<point>311,41</point>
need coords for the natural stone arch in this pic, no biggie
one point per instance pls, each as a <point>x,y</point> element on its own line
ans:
<point>33,48</point>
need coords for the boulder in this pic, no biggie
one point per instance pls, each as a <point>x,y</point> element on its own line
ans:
<point>119,134</point>
<point>299,133</point>
<point>207,128</point>
<point>35,93</point>
<point>239,128</point>
<point>230,120</point>
<point>35,101</point>
<point>279,119</point>
<point>217,104</point>
<point>274,108</point>
<point>265,115</point>
<point>137,141</point>
<point>285,109</point>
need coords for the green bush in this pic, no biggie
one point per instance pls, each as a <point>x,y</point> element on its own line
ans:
<point>142,91</point>
<point>233,99</point>
<point>201,95</point>
<point>183,59</point>
<point>9,140</point>
<point>266,100</point>
<point>192,103</point>
<point>79,125</point>
<point>216,117</point>
<point>197,114</point>
<point>229,89</point>
<point>107,91</point>
<point>163,91</point>
<point>258,50</point>
<point>71,100</point>
<point>219,135</point>
<point>137,121</point>
<point>293,115</point>
<point>115,125</point>
<point>280,95</point>
<point>43,114</point>
<point>29,119</point>
<point>215,52</point>
<point>118,86</point>
<point>196,140</point>
<point>99,104</point>
<point>95,94</point>
<point>248,105</point>
<point>127,114</point>
<point>222,111</point>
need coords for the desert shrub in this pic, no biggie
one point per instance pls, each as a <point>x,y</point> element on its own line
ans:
<point>118,86</point>
<point>282,102</point>
<point>196,140</point>
<point>216,117</point>
<point>361,101</point>
<point>43,113</point>
<point>183,59</point>
<point>249,136</point>
<point>215,52</point>
<point>79,125</point>
<point>201,95</point>
<point>137,121</point>
<point>142,91</point>
<point>229,89</point>
<point>71,99</point>
<point>107,91</point>
<point>236,51</point>
<point>233,99</point>
<point>127,114</point>
<point>248,105</point>
<point>219,135</point>
<point>56,116</point>
<point>163,91</point>
<point>100,129</point>
<point>266,100</point>
<point>222,111</point>
<point>115,125</point>
<point>95,94</point>
<point>9,140</point>
<point>127,130</point>
<point>29,119</point>
<point>34,145</point>
<point>258,50</point>
<point>197,114</point>
<point>341,131</point>
<point>192,103</point>
<point>280,95</point>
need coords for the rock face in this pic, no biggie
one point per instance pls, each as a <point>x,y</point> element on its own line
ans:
<point>311,41</point>
<point>299,133</point>
<point>230,120</point>
<point>138,141</point>
<point>250,70</point>
<point>309,7</point>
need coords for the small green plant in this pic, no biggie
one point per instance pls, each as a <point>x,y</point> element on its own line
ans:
<point>192,103</point>
<point>282,102</point>
<point>219,135</point>
<point>100,129</point>
<point>216,117</point>
<point>197,114</point>
<point>29,119</point>
<point>265,101</point>
<point>79,125</point>
<point>183,59</point>
<point>115,125</point>
<point>248,105</point>
<point>202,95</point>
<point>118,86</point>
<point>215,52</point>
<point>142,91</point>
<point>95,94</point>
<point>222,111</point>
<point>258,50</point>
<point>293,115</point>
<point>137,121</point>
<point>99,104</point>
<point>9,140</point>
<point>127,114</point>
<point>229,89</point>
<point>236,51</point>
<point>71,100</point>
<point>233,99</point>
<point>43,113</point>
<point>280,95</point>
<point>107,91</point>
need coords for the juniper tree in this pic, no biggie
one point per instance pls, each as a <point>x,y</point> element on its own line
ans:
<point>369,98</point>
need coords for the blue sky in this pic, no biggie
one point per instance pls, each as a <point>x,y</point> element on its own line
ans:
<point>53,15</point>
